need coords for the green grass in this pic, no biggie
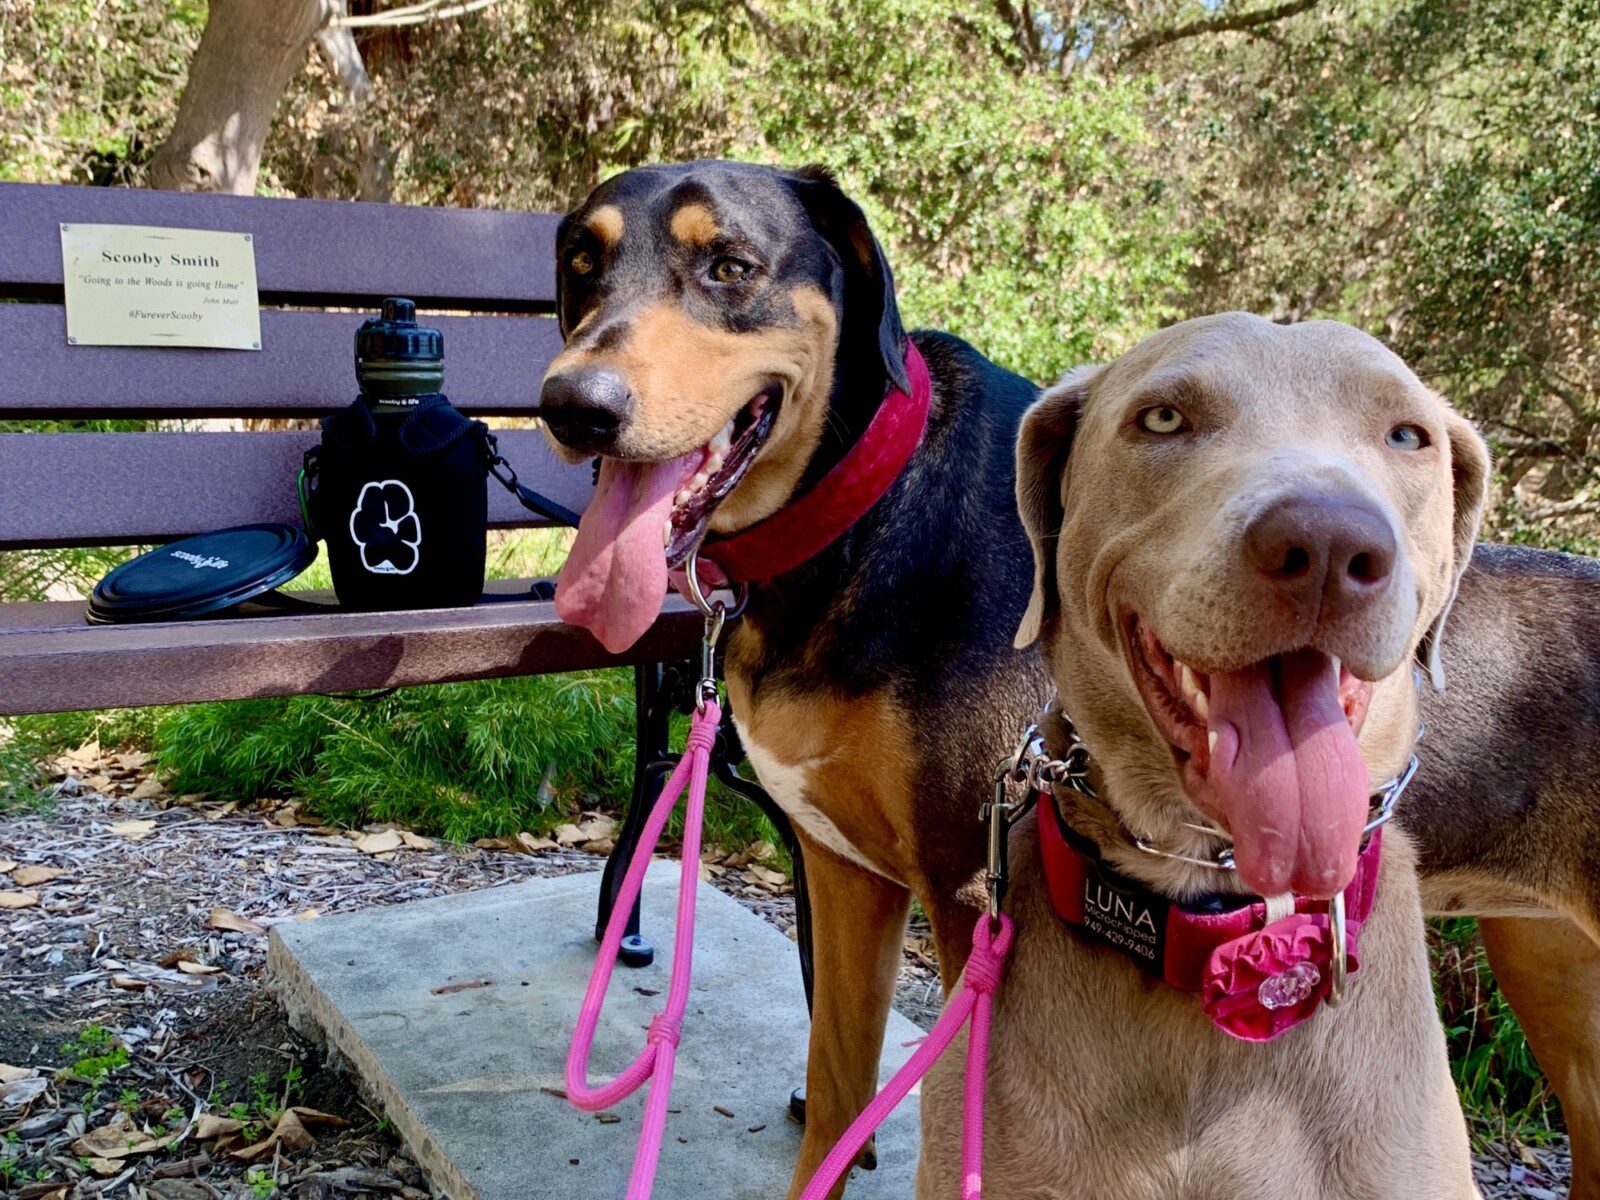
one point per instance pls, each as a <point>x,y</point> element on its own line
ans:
<point>459,761</point>
<point>1502,1089</point>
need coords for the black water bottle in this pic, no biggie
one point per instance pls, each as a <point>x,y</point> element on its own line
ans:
<point>397,488</point>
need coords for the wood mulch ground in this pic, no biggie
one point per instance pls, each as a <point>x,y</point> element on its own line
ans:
<point>139,1056</point>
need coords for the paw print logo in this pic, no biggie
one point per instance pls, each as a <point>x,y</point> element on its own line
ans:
<point>384,524</point>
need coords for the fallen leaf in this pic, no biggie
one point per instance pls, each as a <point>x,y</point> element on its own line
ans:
<point>532,844</point>
<point>132,760</point>
<point>598,827</point>
<point>312,1116</point>
<point>104,1167</point>
<point>85,754</point>
<point>134,831</point>
<point>310,914</point>
<point>212,1126</point>
<point>760,850</point>
<point>416,841</point>
<point>569,835</point>
<point>194,968</point>
<point>147,790</point>
<point>18,899</point>
<point>34,876</point>
<point>7,866</point>
<point>128,983</point>
<point>292,1135</point>
<point>22,1091</point>
<point>379,843</point>
<point>768,876</point>
<point>221,810</point>
<point>231,922</point>
<point>598,846</point>
<point>10,1074</point>
<point>449,989</point>
<point>120,1139</point>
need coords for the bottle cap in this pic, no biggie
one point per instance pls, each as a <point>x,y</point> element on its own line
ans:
<point>395,355</point>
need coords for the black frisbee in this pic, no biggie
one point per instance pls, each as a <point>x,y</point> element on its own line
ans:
<point>201,576</point>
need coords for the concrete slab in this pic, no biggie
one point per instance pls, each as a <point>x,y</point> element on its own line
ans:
<point>460,1073</point>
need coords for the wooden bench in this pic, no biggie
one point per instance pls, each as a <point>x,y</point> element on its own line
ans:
<point>491,272</point>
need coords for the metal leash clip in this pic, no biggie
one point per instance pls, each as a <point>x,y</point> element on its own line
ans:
<point>1001,813</point>
<point>716,614</point>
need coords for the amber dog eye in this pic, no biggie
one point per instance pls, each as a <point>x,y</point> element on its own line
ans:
<point>729,270</point>
<point>1162,419</point>
<point>581,263</point>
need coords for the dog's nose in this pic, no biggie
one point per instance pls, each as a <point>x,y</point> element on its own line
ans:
<point>1329,552</point>
<point>584,409</point>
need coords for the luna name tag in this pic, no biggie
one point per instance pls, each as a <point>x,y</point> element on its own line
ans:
<point>1129,920</point>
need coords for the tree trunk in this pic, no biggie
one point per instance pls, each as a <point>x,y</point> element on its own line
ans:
<point>247,55</point>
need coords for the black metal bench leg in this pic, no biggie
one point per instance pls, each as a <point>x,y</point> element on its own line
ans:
<point>652,763</point>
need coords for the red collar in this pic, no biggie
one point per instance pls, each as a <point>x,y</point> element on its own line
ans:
<point>805,527</point>
<point>1257,979</point>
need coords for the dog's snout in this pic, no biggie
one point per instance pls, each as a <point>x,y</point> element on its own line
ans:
<point>585,409</point>
<point>1330,553</point>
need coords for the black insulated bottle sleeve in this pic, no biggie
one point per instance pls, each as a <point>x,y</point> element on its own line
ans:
<point>401,500</point>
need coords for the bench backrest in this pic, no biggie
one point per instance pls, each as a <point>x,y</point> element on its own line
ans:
<point>492,271</point>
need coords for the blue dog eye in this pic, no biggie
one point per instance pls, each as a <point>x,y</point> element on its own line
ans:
<point>1407,437</point>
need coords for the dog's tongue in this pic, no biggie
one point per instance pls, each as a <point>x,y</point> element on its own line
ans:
<point>616,573</point>
<point>1287,774</point>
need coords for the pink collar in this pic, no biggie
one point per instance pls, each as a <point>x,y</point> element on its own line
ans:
<point>1257,979</point>
<point>805,527</point>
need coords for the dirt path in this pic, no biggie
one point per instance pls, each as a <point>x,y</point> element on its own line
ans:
<point>131,999</point>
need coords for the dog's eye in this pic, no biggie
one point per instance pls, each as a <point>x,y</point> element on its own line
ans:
<point>581,262</point>
<point>729,270</point>
<point>1162,419</point>
<point>1408,437</point>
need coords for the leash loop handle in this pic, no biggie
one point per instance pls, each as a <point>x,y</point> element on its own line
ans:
<point>656,1061</point>
<point>991,943</point>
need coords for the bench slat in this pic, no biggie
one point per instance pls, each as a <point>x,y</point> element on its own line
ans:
<point>305,366</point>
<point>108,489</point>
<point>88,667</point>
<point>308,249</point>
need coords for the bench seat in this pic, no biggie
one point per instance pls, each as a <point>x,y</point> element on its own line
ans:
<point>51,660</point>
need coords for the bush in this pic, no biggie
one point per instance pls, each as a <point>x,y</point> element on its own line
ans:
<point>459,761</point>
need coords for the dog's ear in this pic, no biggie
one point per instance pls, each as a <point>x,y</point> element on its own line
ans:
<point>869,284</point>
<point>1470,468</point>
<point>1042,449</point>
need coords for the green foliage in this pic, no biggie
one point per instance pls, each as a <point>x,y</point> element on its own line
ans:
<point>460,761</point>
<point>1502,1089</point>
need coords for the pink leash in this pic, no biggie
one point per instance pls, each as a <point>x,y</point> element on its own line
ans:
<point>975,999</point>
<point>655,1062</point>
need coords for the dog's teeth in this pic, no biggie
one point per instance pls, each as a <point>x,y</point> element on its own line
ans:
<point>714,463</point>
<point>1193,693</point>
<point>682,495</point>
<point>666,533</point>
<point>1338,668</point>
<point>1211,740</point>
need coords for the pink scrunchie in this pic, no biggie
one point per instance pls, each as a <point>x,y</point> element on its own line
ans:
<point>1260,986</point>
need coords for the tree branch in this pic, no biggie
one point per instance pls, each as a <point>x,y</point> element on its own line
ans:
<point>1231,23</point>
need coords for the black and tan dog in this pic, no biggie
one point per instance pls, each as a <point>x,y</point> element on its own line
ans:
<point>731,330</point>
